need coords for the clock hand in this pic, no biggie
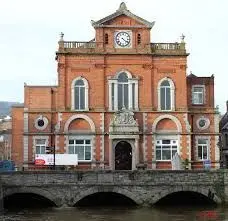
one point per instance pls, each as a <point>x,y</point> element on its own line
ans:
<point>123,39</point>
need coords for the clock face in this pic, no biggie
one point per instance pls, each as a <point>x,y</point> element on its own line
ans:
<point>123,39</point>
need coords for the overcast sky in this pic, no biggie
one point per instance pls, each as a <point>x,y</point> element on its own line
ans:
<point>29,32</point>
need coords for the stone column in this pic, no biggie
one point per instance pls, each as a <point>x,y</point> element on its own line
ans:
<point>111,155</point>
<point>136,152</point>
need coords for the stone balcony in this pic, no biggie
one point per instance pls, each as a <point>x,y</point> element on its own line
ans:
<point>92,47</point>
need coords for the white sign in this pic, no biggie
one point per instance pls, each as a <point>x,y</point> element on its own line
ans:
<point>60,159</point>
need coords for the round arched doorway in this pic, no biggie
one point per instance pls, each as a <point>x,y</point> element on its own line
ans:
<point>123,156</point>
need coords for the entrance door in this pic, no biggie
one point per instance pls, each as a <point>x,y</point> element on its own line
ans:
<point>123,156</point>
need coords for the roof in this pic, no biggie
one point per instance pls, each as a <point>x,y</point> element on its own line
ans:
<point>225,127</point>
<point>122,10</point>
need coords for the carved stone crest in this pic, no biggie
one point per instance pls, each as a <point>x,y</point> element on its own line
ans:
<point>124,117</point>
<point>123,121</point>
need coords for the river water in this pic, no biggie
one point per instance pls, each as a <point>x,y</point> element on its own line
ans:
<point>120,214</point>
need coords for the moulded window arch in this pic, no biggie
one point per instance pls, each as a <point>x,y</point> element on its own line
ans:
<point>123,91</point>
<point>166,94</point>
<point>79,94</point>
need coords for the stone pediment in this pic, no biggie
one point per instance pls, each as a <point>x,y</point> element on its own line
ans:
<point>123,122</point>
<point>113,19</point>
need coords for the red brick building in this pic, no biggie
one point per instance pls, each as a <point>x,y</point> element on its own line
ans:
<point>121,101</point>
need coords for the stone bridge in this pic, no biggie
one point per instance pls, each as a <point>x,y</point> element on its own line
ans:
<point>66,188</point>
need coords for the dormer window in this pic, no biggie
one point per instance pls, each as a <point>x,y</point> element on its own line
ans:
<point>138,39</point>
<point>106,38</point>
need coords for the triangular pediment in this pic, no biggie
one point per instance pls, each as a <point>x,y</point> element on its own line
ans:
<point>122,17</point>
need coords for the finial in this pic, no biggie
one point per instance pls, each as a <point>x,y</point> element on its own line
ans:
<point>92,22</point>
<point>61,36</point>
<point>122,6</point>
<point>182,37</point>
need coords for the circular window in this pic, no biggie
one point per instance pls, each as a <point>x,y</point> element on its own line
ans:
<point>41,123</point>
<point>203,123</point>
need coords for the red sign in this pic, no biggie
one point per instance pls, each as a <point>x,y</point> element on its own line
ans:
<point>39,162</point>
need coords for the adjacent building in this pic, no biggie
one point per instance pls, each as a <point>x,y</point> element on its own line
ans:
<point>223,128</point>
<point>5,137</point>
<point>122,101</point>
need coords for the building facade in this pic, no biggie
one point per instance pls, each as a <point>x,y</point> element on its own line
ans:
<point>121,102</point>
<point>5,137</point>
<point>223,128</point>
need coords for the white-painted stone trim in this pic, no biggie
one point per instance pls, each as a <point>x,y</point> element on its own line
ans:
<point>188,137</point>
<point>66,144</point>
<point>57,142</point>
<point>60,116</point>
<point>25,138</point>
<point>153,152</point>
<point>217,152</point>
<point>102,141</point>
<point>187,124</point>
<point>172,91</point>
<point>93,151</point>
<point>216,123</point>
<point>25,122</point>
<point>86,93</point>
<point>79,116</point>
<point>25,153</point>
<point>144,137</point>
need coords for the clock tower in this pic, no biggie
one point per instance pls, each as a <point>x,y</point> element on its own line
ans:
<point>123,31</point>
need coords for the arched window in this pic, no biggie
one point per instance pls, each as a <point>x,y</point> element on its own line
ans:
<point>123,92</point>
<point>80,94</point>
<point>123,97</point>
<point>166,94</point>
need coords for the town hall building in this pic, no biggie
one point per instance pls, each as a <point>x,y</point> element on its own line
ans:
<point>122,101</point>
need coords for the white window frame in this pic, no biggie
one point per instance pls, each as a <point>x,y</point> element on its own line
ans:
<point>203,94</point>
<point>113,82</point>
<point>82,138</point>
<point>172,94</point>
<point>35,138</point>
<point>86,85</point>
<point>197,138</point>
<point>158,142</point>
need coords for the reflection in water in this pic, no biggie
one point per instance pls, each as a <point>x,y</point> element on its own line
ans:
<point>122,214</point>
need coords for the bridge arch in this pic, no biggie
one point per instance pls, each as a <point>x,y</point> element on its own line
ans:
<point>104,189</point>
<point>32,190</point>
<point>207,192</point>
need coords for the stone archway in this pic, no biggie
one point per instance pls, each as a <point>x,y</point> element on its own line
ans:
<point>123,156</point>
<point>98,189</point>
<point>37,191</point>
<point>207,192</point>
